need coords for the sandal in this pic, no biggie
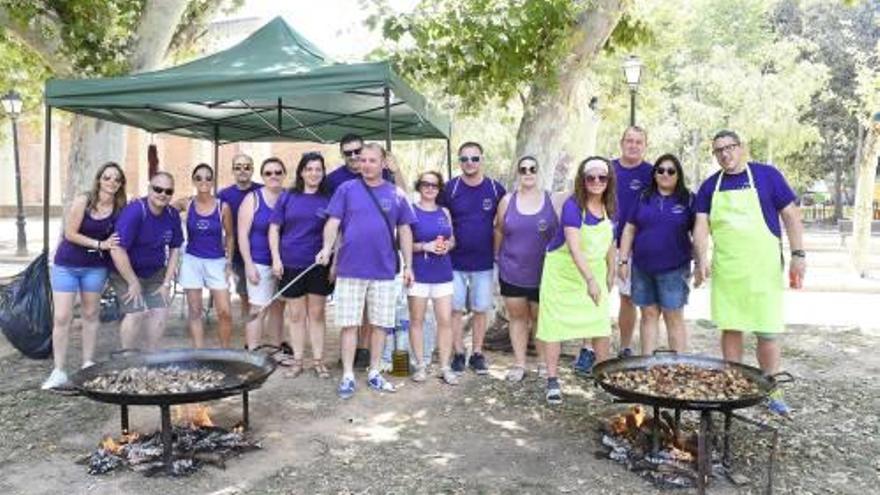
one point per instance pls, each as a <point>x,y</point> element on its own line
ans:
<point>295,368</point>
<point>320,369</point>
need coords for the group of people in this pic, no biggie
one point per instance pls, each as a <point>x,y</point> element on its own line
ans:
<point>354,233</point>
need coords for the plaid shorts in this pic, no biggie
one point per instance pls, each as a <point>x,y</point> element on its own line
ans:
<point>380,296</point>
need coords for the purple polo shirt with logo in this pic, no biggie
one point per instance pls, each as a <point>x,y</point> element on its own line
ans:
<point>342,175</point>
<point>473,216</point>
<point>663,232</point>
<point>300,218</point>
<point>233,196</point>
<point>630,184</point>
<point>571,216</point>
<point>366,251</point>
<point>773,192</point>
<point>147,237</point>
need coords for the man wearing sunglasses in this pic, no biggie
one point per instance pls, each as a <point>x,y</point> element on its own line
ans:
<point>740,207</point>
<point>150,236</point>
<point>472,199</point>
<point>242,172</point>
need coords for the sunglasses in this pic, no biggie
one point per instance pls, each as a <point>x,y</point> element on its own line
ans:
<point>273,173</point>
<point>724,149</point>
<point>161,190</point>
<point>351,153</point>
<point>203,178</point>
<point>428,185</point>
<point>107,178</point>
<point>665,170</point>
<point>602,179</point>
<point>239,167</point>
<point>472,159</point>
<point>530,170</point>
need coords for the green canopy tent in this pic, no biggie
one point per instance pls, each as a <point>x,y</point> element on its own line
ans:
<point>273,86</point>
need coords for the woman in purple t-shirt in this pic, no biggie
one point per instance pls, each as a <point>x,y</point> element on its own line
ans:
<point>658,236</point>
<point>524,225</point>
<point>254,216</point>
<point>81,264</point>
<point>295,237</point>
<point>207,262</point>
<point>432,269</point>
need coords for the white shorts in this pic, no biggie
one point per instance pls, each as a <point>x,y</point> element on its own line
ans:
<point>259,294</point>
<point>431,291</point>
<point>379,295</point>
<point>202,273</point>
<point>624,287</point>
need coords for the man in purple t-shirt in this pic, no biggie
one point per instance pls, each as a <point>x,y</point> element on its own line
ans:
<point>366,211</point>
<point>472,199</point>
<point>150,236</point>
<point>740,207</point>
<point>242,172</point>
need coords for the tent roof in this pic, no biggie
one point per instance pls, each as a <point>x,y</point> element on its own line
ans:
<point>273,86</point>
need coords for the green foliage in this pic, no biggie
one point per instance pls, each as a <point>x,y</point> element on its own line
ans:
<point>18,70</point>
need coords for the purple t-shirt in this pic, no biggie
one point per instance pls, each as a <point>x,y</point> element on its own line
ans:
<point>663,226</point>
<point>630,184</point>
<point>233,196</point>
<point>74,255</point>
<point>473,216</point>
<point>430,268</point>
<point>204,233</point>
<point>147,237</point>
<point>301,218</point>
<point>259,233</point>
<point>773,192</point>
<point>366,251</point>
<point>571,216</point>
<point>342,175</point>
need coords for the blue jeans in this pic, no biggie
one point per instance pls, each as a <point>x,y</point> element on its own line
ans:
<point>78,279</point>
<point>472,290</point>
<point>669,290</point>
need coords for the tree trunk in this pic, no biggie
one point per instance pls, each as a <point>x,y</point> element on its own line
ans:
<point>863,210</point>
<point>558,127</point>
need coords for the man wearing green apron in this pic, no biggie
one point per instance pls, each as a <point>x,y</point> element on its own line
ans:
<point>740,206</point>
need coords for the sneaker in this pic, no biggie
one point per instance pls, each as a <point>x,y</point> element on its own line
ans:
<point>458,363</point>
<point>584,361</point>
<point>361,358</point>
<point>286,349</point>
<point>625,353</point>
<point>477,363</point>
<point>420,375</point>
<point>449,376</point>
<point>515,374</point>
<point>87,364</point>
<point>55,380</point>
<point>554,393</point>
<point>378,383</point>
<point>346,388</point>
<point>541,371</point>
<point>777,405</point>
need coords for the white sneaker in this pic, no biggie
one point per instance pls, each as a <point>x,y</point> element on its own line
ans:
<point>87,364</point>
<point>542,371</point>
<point>449,376</point>
<point>515,374</point>
<point>420,374</point>
<point>55,380</point>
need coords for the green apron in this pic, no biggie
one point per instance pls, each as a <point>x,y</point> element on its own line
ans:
<point>747,279</point>
<point>566,311</point>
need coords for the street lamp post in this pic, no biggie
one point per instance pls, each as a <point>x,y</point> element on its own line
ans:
<point>12,106</point>
<point>632,71</point>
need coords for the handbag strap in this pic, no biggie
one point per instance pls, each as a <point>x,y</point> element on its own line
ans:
<point>382,213</point>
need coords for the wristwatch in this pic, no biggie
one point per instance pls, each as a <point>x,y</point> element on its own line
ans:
<point>798,253</point>
<point>622,261</point>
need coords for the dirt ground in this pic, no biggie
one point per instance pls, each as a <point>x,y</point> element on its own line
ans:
<point>484,436</point>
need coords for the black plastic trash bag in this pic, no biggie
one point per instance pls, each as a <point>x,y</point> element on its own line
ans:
<point>26,310</point>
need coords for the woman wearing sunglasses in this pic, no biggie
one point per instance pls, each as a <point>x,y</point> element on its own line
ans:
<point>295,237</point>
<point>81,263</point>
<point>655,250</point>
<point>254,216</point>
<point>207,260</point>
<point>432,270</point>
<point>524,225</point>
<point>579,270</point>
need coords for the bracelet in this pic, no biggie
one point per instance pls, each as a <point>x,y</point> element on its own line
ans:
<point>622,261</point>
<point>798,253</point>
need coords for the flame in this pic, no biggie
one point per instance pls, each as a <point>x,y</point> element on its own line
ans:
<point>638,415</point>
<point>110,445</point>
<point>195,415</point>
<point>629,422</point>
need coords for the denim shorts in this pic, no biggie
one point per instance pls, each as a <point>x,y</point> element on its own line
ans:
<point>472,290</point>
<point>669,290</point>
<point>78,279</point>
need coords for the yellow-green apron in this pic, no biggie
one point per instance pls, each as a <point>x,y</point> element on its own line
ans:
<point>566,311</point>
<point>747,279</point>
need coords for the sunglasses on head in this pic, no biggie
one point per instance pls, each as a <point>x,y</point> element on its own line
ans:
<point>273,173</point>
<point>472,159</point>
<point>428,185</point>
<point>117,180</point>
<point>665,170</point>
<point>530,169</point>
<point>351,153</point>
<point>161,190</point>
<point>203,178</point>
<point>602,179</point>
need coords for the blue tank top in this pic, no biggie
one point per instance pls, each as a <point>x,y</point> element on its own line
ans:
<point>204,233</point>
<point>429,268</point>
<point>259,234</point>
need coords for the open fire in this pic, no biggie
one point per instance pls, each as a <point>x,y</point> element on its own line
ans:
<point>196,442</point>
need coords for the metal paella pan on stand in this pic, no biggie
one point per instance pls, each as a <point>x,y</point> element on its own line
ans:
<point>216,373</point>
<point>680,382</point>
